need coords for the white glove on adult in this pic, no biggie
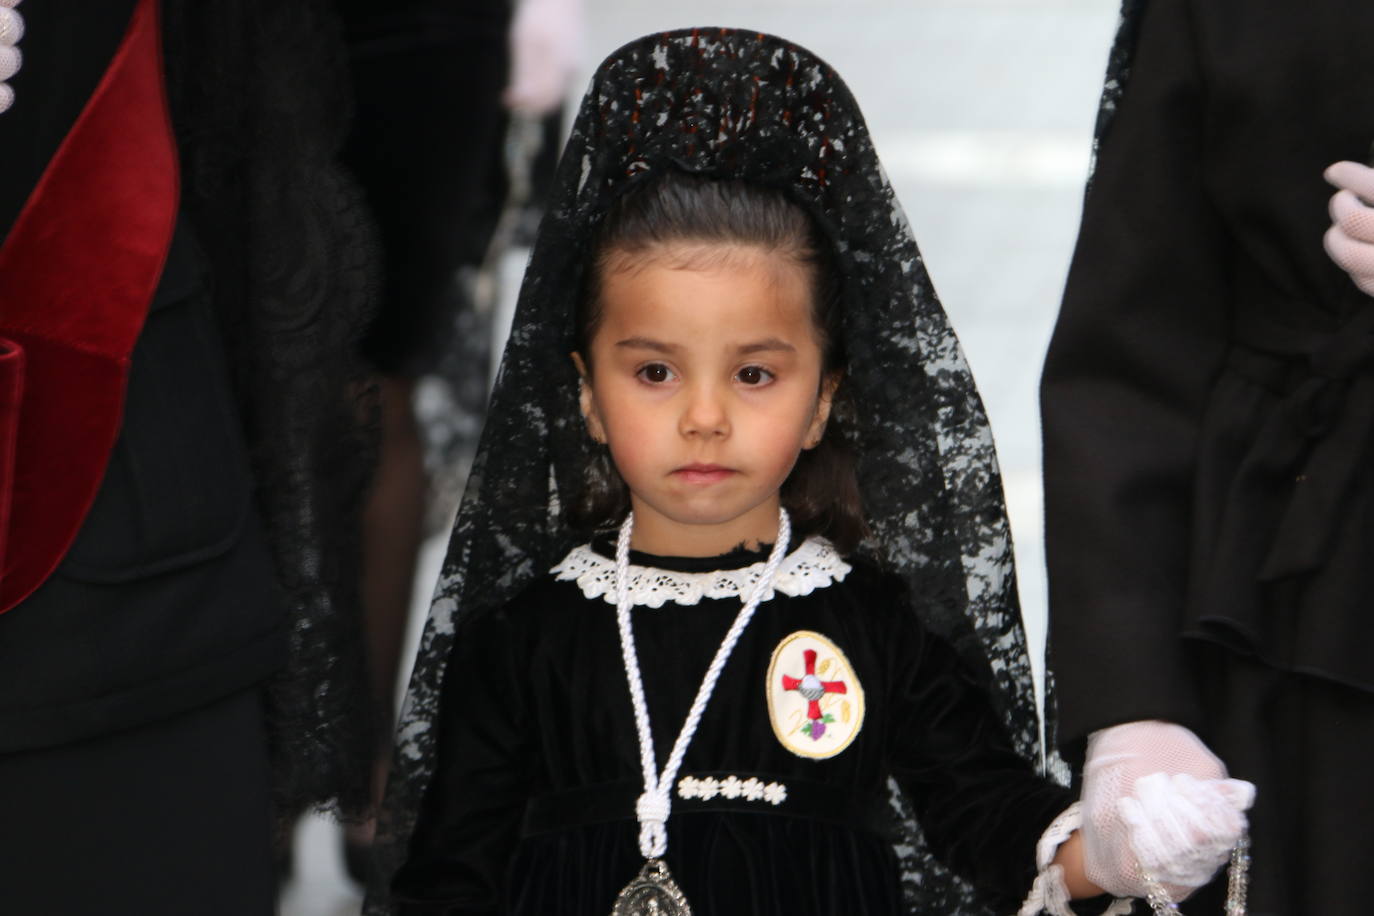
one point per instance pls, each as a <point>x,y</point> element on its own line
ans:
<point>545,39</point>
<point>11,30</point>
<point>1350,240</point>
<point>1155,797</point>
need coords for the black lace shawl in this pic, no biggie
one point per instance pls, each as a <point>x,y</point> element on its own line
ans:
<point>1118,72</point>
<point>735,104</point>
<point>260,104</point>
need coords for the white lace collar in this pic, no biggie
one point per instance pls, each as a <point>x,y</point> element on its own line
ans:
<point>815,564</point>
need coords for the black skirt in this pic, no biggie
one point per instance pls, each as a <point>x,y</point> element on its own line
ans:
<point>172,817</point>
<point>1307,743</point>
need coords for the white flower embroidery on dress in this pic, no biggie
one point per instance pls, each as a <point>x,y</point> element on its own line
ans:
<point>732,787</point>
<point>815,564</point>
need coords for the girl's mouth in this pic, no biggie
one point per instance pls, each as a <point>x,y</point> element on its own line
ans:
<point>702,473</point>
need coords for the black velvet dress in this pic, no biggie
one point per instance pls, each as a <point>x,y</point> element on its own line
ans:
<point>536,814</point>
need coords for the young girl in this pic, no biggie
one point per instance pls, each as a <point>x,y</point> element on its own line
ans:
<point>690,641</point>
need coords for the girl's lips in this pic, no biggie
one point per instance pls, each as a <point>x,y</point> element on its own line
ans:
<point>702,473</point>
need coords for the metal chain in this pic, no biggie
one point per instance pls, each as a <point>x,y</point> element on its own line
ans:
<point>1237,885</point>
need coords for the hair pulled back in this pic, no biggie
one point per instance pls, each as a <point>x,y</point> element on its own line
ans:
<point>676,208</point>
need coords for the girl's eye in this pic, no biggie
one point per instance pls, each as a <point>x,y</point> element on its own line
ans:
<point>655,373</point>
<point>754,375</point>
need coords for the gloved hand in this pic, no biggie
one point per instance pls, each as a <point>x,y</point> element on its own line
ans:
<point>1155,797</point>
<point>11,30</point>
<point>545,39</point>
<point>1350,240</point>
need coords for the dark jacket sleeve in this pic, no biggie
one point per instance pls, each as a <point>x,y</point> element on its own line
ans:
<point>469,821</point>
<point>1139,340</point>
<point>981,806</point>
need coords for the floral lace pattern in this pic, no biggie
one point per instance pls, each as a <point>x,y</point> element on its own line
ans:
<point>813,565</point>
<point>258,93</point>
<point>1118,72</point>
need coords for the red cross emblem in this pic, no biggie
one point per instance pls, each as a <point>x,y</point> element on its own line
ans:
<point>812,689</point>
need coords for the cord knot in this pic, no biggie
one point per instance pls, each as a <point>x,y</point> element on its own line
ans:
<point>652,810</point>
<point>653,806</point>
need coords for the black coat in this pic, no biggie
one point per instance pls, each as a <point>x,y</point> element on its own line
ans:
<point>221,547</point>
<point>1207,404</point>
<point>166,599</point>
<point>1207,396</point>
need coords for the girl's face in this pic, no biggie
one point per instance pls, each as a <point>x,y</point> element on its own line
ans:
<point>704,378</point>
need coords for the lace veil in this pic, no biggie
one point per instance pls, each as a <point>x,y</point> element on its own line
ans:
<point>258,92</point>
<point>736,104</point>
<point>1118,71</point>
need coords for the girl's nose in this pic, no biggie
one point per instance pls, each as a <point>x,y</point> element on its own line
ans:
<point>705,414</point>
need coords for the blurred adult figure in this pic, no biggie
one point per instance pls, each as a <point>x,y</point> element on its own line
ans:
<point>1208,408</point>
<point>433,82</point>
<point>182,286</point>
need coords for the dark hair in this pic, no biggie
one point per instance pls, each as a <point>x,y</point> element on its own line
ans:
<point>822,492</point>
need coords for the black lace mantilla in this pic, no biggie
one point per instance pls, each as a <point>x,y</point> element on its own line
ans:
<point>259,99</point>
<point>1118,72</point>
<point>736,104</point>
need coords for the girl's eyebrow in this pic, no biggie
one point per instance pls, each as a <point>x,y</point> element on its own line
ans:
<point>768,344</point>
<point>647,343</point>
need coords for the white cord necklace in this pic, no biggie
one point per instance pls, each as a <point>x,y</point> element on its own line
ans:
<point>653,891</point>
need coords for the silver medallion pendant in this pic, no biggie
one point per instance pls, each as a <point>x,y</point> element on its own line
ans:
<point>653,892</point>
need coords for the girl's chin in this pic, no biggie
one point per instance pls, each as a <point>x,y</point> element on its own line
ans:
<point>701,530</point>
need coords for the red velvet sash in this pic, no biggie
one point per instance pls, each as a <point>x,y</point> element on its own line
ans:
<point>77,273</point>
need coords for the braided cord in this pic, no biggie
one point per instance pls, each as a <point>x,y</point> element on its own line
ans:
<point>655,804</point>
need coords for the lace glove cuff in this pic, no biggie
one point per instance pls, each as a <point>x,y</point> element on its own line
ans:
<point>1049,894</point>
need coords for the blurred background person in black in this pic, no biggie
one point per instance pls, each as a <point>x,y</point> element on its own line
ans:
<point>437,85</point>
<point>184,278</point>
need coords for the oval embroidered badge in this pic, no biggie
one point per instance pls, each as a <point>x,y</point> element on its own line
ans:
<point>815,701</point>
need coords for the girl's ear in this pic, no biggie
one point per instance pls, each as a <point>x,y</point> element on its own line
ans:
<point>829,383</point>
<point>587,400</point>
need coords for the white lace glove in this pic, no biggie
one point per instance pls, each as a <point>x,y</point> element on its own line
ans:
<point>545,40</point>
<point>1155,797</point>
<point>1350,240</point>
<point>11,30</point>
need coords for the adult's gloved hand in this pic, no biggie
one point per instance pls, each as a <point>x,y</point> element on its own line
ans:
<point>545,39</point>
<point>11,30</point>
<point>1156,800</point>
<point>1350,240</point>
